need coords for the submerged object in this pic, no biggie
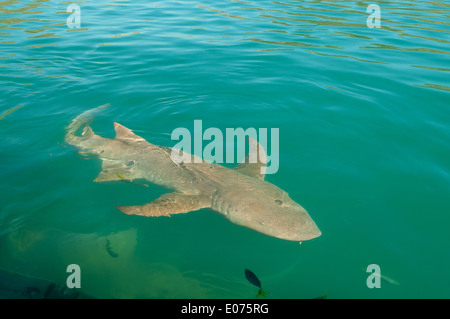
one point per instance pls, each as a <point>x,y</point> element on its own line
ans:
<point>14,285</point>
<point>31,292</point>
<point>385,278</point>
<point>109,249</point>
<point>240,194</point>
<point>49,290</point>
<point>323,297</point>
<point>253,279</point>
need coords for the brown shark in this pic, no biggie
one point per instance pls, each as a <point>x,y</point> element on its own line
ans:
<point>241,195</point>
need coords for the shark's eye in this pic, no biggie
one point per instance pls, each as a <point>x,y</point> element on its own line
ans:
<point>279,202</point>
<point>130,163</point>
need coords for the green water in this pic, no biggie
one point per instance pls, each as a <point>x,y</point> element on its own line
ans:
<point>363,116</point>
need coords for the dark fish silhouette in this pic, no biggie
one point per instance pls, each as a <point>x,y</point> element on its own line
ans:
<point>109,250</point>
<point>251,277</point>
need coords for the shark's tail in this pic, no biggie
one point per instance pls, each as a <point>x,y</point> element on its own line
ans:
<point>84,119</point>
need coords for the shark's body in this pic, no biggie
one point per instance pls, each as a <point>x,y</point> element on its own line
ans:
<point>241,195</point>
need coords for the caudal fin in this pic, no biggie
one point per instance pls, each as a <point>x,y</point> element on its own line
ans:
<point>262,293</point>
<point>84,119</point>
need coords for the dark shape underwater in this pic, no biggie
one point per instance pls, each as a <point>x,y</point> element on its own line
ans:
<point>15,285</point>
<point>253,279</point>
<point>109,249</point>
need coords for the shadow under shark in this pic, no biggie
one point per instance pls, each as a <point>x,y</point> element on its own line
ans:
<point>240,194</point>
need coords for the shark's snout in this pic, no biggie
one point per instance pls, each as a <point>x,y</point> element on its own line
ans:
<point>297,227</point>
<point>311,233</point>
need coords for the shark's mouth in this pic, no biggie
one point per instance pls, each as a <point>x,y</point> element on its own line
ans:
<point>293,227</point>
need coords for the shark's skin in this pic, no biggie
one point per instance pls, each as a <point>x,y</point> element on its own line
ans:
<point>241,195</point>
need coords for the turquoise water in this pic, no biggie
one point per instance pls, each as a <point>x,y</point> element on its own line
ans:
<point>364,128</point>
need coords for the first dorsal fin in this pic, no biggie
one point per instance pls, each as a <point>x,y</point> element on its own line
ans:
<point>255,163</point>
<point>125,134</point>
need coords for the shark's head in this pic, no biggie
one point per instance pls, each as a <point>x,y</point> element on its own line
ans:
<point>268,210</point>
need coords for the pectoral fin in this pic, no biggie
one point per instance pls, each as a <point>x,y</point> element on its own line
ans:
<point>169,204</point>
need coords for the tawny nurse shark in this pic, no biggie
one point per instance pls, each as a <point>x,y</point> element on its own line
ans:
<point>240,194</point>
